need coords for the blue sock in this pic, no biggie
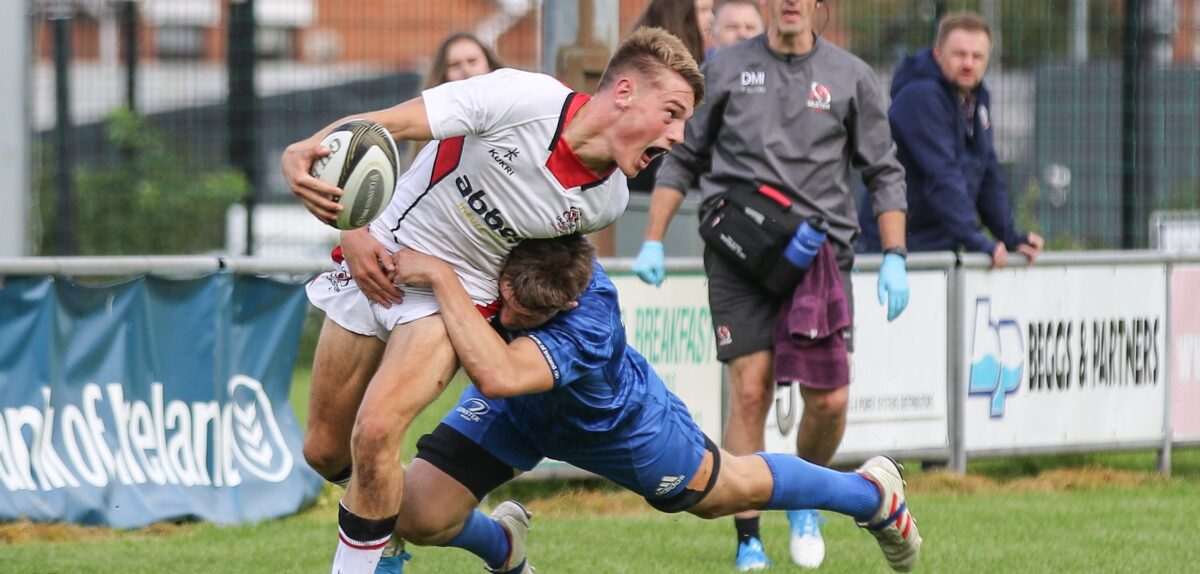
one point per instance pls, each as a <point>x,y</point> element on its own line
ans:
<point>482,537</point>
<point>800,484</point>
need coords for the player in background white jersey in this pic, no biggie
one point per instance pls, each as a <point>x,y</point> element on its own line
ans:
<point>383,356</point>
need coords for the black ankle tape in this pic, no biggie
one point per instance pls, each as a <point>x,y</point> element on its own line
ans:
<point>747,528</point>
<point>362,529</point>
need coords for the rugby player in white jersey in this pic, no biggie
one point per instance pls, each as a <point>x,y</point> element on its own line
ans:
<point>517,155</point>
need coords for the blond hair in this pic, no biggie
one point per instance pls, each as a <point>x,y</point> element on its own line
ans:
<point>649,52</point>
<point>968,21</point>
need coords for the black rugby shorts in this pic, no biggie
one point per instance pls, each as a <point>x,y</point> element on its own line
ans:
<point>743,312</point>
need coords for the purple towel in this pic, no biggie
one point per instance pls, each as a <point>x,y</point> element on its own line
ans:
<point>809,345</point>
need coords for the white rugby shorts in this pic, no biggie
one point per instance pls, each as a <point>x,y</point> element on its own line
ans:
<point>336,293</point>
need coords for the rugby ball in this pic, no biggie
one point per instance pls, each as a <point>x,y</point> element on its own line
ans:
<point>363,163</point>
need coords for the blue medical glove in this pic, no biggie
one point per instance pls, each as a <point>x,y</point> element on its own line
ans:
<point>893,282</point>
<point>650,266</point>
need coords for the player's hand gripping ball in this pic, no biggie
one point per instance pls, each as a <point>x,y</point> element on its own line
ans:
<point>363,163</point>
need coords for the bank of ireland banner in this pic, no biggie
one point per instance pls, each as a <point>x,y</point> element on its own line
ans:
<point>149,400</point>
<point>1063,357</point>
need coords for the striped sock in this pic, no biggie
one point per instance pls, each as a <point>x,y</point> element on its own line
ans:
<point>360,541</point>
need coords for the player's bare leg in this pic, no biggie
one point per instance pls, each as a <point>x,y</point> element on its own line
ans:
<point>436,507</point>
<point>439,511</point>
<point>751,391</point>
<point>744,484</point>
<point>344,364</point>
<point>416,367</point>
<point>822,425</point>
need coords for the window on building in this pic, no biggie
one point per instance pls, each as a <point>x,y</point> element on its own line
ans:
<point>179,42</point>
<point>275,42</point>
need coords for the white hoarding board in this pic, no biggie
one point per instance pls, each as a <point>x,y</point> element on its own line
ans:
<point>1185,353</point>
<point>898,381</point>
<point>672,327</point>
<point>1063,357</point>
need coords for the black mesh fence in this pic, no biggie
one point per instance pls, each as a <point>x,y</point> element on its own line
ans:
<point>1095,104</point>
<point>157,122</point>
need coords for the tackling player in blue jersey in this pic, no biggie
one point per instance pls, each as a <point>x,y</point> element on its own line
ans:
<point>558,380</point>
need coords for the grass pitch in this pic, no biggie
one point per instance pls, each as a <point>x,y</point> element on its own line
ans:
<point>1141,526</point>
<point>1080,513</point>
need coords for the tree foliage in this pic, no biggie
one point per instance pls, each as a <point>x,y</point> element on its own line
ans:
<point>147,203</point>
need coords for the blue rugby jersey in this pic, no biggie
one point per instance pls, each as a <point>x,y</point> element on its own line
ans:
<point>601,384</point>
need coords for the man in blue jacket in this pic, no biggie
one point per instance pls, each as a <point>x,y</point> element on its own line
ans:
<point>941,120</point>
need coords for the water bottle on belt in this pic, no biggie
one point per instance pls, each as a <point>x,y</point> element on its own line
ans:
<point>798,256</point>
<point>807,241</point>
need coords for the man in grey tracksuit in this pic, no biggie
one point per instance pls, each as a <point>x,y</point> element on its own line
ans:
<point>789,109</point>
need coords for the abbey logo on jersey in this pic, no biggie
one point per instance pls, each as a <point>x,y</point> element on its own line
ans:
<point>997,358</point>
<point>485,214</point>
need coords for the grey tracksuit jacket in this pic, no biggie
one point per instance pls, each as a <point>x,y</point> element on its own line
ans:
<point>797,122</point>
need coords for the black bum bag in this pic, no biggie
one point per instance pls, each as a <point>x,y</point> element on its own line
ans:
<point>752,227</point>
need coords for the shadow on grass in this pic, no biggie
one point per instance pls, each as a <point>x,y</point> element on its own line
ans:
<point>1185,464</point>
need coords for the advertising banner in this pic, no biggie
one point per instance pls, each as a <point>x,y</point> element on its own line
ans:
<point>1185,349</point>
<point>674,333</point>
<point>1063,357</point>
<point>150,400</point>
<point>898,386</point>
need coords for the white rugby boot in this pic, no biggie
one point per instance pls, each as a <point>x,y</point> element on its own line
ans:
<point>514,519</point>
<point>806,545</point>
<point>892,526</point>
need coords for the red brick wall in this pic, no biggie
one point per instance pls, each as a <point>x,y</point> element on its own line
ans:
<point>1186,40</point>
<point>85,38</point>
<point>405,34</point>
<point>392,32</point>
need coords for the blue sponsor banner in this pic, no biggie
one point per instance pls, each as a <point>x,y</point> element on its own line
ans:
<point>149,400</point>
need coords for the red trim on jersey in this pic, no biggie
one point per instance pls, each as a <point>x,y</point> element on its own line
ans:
<point>449,152</point>
<point>488,311</point>
<point>567,168</point>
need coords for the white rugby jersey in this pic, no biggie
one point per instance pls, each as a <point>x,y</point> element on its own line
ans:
<point>498,172</point>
